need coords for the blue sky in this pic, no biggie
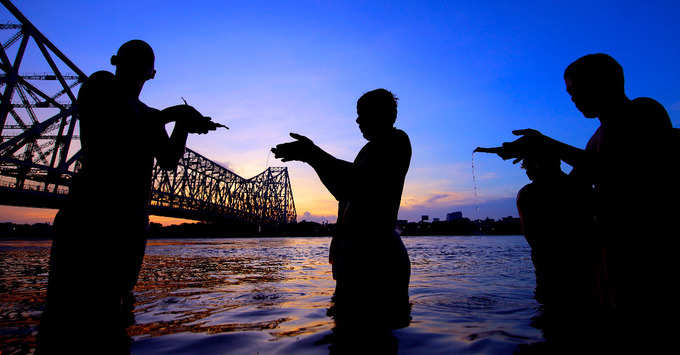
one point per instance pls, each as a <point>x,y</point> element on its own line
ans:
<point>466,75</point>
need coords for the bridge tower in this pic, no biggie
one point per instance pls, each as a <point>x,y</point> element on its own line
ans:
<point>37,116</point>
<point>40,150</point>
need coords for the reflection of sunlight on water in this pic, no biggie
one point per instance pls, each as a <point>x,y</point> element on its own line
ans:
<point>269,295</point>
<point>23,282</point>
<point>243,289</point>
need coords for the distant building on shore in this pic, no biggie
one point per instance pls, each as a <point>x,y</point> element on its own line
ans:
<point>424,218</point>
<point>454,216</point>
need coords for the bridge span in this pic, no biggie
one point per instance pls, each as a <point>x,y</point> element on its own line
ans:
<point>40,149</point>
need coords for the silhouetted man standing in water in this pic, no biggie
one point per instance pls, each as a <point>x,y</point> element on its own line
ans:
<point>370,263</point>
<point>557,220</point>
<point>101,231</point>
<point>631,161</point>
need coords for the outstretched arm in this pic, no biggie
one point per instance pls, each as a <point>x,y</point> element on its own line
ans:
<point>333,172</point>
<point>532,141</point>
<point>169,150</point>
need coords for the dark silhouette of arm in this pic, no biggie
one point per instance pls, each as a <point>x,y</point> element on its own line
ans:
<point>643,128</point>
<point>379,169</point>
<point>533,140</point>
<point>334,173</point>
<point>169,150</point>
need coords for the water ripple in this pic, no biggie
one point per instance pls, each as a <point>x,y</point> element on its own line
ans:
<point>470,295</point>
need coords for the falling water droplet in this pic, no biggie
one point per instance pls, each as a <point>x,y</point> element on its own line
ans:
<point>474,187</point>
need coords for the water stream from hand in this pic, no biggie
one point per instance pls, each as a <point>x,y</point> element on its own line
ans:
<point>474,187</point>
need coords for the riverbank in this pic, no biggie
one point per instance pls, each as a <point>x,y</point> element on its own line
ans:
<point>460,227</point>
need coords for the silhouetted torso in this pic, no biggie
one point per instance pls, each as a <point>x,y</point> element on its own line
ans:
<point>631,162</point>
<point>557,223</point>
<point>556,212</point>
<point>634,178</point>
<point>640,134</point>
<point>119,136</point>
<point>636,184</point>
<point>100,236</point>
<point>372,202</point>
<point>100,232</point>
<point>369,259</point>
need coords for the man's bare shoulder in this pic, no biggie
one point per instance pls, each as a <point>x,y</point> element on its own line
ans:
<point>595,140</point>
<point>648,103</point>
<point>400,137</point>
<point>100,80</point>
<point>525,195</point>
<point>528,189</point>
<point>101,75</point>
<point>400,134</point>
<point>651,111</point>
<point>99,83</point>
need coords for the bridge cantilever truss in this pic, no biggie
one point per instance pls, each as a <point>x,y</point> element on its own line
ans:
<point>203,188</point>
<point>40,151</point>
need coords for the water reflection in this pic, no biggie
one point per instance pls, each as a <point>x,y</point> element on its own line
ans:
<point>468,295</point>
<point>23,282</point>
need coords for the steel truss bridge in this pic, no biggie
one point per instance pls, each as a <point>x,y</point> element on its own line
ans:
<point>40,148</point>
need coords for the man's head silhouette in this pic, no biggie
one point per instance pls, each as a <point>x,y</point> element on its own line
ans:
<point>595,83</point>
<point>134,62</point>
<point>376,113</point>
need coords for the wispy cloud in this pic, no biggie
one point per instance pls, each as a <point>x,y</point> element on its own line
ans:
<point>435,198</point>
<point>442,188</point>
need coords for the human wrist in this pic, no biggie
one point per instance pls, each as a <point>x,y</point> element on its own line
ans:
<point>316,155</point>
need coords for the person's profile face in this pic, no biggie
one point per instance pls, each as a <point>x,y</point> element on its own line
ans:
<point>369,121</point>
<point>584,96</point>
<point>364,125</point>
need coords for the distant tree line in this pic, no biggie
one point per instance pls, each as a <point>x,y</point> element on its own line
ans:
<point>240,230</point>
<point>463,226</point>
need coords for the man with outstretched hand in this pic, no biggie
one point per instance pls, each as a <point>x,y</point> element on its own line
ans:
<point>100,236</point>
<point>631,162</point>
<point>370,263</point>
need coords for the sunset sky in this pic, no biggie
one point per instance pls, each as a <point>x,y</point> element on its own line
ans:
<point>466,75</point>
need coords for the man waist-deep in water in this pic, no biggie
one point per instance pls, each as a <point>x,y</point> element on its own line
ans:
<point>99,243</point>
<point>631,163</point>
<point>370,263</point>
<point>557,220</point>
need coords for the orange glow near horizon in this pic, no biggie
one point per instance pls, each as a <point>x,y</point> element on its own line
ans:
<point>30,215</point>
<point>169,221</point>
<point>312,201</point>
<point>26,215</point>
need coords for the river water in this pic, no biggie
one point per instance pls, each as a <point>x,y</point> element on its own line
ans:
<point>470,295</point>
